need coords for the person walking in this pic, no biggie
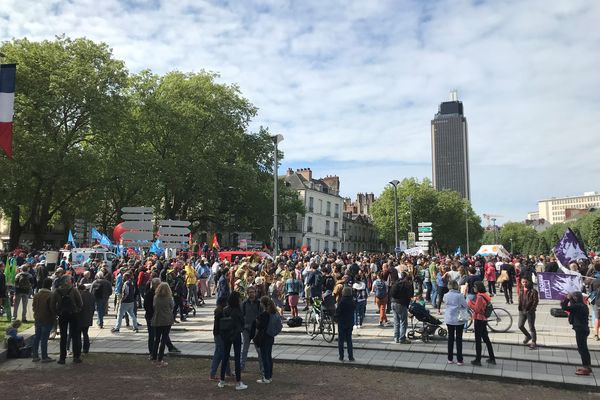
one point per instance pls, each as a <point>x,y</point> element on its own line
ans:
<point>455,318</point>
<point>490,276</point>
<point>345,317</point>
<point>44,320</point>
<point>401,293</point>
<point>162,320</point>
<point>441,281</point>
<point>360,294</point>
<point>380,291</point>
<point>22,289</point>
<point>101,290</point>
<point>578,318</point>
<point>528,301</point>
<point>251,309</point>
<point>268,326</point>
<point>230,328</point>
<point>191,282</point>
<point>127,303</point>
<point>66,303</point>
<point>478,307</point>
<point>507,278</point>
<point>86,316</point>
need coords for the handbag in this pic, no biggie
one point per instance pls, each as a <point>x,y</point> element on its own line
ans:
<point>464,315</point>
<point>503,276</point>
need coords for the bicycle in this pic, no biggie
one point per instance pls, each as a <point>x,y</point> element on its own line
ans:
<point>319,322</point>
<point>500,321</point>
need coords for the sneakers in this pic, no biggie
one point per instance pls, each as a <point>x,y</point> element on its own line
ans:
<point>527,340</point>
<point>114,330</point>
<point>450,362</point>
<point>351,359</point>
<point>477,363</point>
<point>584,371</point>
<point>35,359</point>
<point>460,363</point>
<point>241,386</point>
<point>405,341</point>
<point>341,358</point>
<point>532,346</point>
<point>47,360</point>
<point>263,380</point>
<point>174,350</point>
<point>77,360</point>
<point>491,361</point>
<point>221,384</point>
<point>60,361</point>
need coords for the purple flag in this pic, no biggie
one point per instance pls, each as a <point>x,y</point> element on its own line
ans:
<point>554,286</point>
<point>569,249</point>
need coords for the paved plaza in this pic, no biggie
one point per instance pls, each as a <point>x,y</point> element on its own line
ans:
<point>553,363</point>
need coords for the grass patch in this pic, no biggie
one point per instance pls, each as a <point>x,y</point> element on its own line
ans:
<point>5,324</point>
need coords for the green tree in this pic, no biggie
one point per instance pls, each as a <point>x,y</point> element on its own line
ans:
<point>517,237</point>
<point>445,209</point>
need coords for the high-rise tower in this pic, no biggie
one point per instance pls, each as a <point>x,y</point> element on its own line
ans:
<point>450,148</point>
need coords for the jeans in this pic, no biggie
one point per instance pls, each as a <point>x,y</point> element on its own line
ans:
<point>345,335</point>
<point>71,324</point>
<point>581,336</point>
<point>492,287</point>
<point>266,354</point>
<point>359,312</point>
<point>100,308</point>
<point>400,321</point>
<point>178,306</point>
<point>530,318</point>
<point>237,355</point>
<point>246,340</point>
<point>455,332</point>
<point>151,335</point>
<point>441,291</point>
<point>126,308</point>
<point>192,296</point>
<point>21,298</point>
<point>160,340</point>
<point>481,333</point>
<point>218,357</point>
<point>507,287</point>
<point>428,294</point>
<point>6,305</point>
<point>42,333</point>
<point>433,293</point>
<point>86,338</point>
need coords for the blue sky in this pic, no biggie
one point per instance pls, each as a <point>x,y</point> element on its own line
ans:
<point>353,85</point>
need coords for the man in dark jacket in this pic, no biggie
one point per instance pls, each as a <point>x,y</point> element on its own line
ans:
<point>401,294</point>
<point>250,311</point>
<point>86,316</point>
<point>345,319</point>
<point>66,303</point>
<point>101,290</point>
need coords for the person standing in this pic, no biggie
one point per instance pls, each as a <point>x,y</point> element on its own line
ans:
<point>218,354</point>
<point>101,289</point>
<point>578,318</point>
<point>441,281</point>
<point>268,325</point>
<point>127,303</point>
<point>4,295</point>
<point>401,293</point>
<point>293,288</point>
<point>345,317</point>
<point>66,303</point>
<point>22,289</point>
<point>191,282</point>
<point>250,311</point>
<point>86,316</point>
<point>478,306</point>
<point>162,320</point>
<point>490,277</point>
<point>44,320</point>
<point>528,301</point>
<point>360,294</point>
<point>456,306</point>
<point>231,325</point>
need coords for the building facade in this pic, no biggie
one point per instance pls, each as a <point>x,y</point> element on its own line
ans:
<point>450,148</point>
<point>558,209</point>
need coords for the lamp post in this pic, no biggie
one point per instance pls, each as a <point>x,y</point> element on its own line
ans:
<point>275,234</point>
<point>395,183</point>
<point>511,246</point>
<point>467,226</point>
<point>409,201</point>
<point>495,231</point>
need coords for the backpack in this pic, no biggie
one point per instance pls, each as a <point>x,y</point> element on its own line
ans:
<point>294,322</point>
<point>98,292</point>
<point>67,307</point>
<point>275,326</point>
<point>226,325</point>
<point>380,289</point>
<point>22,282</point>
<point>318,280</point>
<point>489,309</point>
<point>329,283</point>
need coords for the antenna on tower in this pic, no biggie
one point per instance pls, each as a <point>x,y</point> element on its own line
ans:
<point>453,95</point>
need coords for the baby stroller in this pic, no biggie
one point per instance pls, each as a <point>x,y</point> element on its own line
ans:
<point>423,324</point>
<point>187,308</point>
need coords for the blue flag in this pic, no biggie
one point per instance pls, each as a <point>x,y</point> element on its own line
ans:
<point>96,235</point>
<point>457,252</point>
<point>104,240</point>
<point>156,249</point>
<point>71,239</point>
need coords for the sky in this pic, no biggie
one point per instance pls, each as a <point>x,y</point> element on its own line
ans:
<point>353,85</point>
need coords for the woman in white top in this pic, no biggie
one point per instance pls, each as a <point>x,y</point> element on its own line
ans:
<point>454,317</point>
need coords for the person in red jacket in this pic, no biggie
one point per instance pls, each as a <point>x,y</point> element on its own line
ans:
<point>478,307</point>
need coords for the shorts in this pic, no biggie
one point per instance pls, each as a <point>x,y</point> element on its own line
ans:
<point>293,300</point>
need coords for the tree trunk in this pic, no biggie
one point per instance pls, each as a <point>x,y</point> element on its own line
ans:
<point>15,228</point>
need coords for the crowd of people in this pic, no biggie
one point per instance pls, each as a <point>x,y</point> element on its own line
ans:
<point>253,294</point>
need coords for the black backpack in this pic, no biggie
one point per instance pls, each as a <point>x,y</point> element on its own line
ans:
<point>67,307</point>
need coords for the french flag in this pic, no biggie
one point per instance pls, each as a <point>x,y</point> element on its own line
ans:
<point>8,73</point>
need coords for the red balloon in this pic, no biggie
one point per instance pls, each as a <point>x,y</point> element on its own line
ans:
<point>118,231</point>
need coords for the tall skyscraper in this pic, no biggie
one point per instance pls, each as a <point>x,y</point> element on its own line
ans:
<point>450,148</point>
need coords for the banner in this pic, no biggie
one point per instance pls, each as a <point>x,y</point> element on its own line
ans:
<point>553,286</point>
<point>567,250</point>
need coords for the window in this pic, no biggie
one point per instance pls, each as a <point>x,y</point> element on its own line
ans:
<point>292,242</point>
<point>311,204</point>
<point>308,243</point>
<point>327,231</point>
<point>335,229</point>
<point>326,246</point>
<point>328,213</point>
<point>337,211</point>
<point>320,206</point>
<point>318,245</point>
<point>309,225</point>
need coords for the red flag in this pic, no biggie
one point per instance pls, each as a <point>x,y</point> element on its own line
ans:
<point>215,243</point>
<point>7,102</point>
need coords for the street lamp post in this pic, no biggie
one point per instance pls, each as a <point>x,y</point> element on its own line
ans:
<point>395,183</point>
<point>511,246</point>
<point>467,227</point>
<point>495,230</point>
<point>409,201</point>
<point>275,233</point>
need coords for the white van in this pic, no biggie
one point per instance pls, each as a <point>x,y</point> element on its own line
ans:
<point>78,256</point>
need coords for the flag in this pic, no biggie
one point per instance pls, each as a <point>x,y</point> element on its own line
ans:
<point>567,250</point>
<point>215,242</point>
<point>8,74</point>
<point>457,252</point>
<point>96,235</point>
<point>71,239</point>
<point>104,240</point>
<point>156,249</point>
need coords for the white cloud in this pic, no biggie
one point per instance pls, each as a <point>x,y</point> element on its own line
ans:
<point>359,81</point>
